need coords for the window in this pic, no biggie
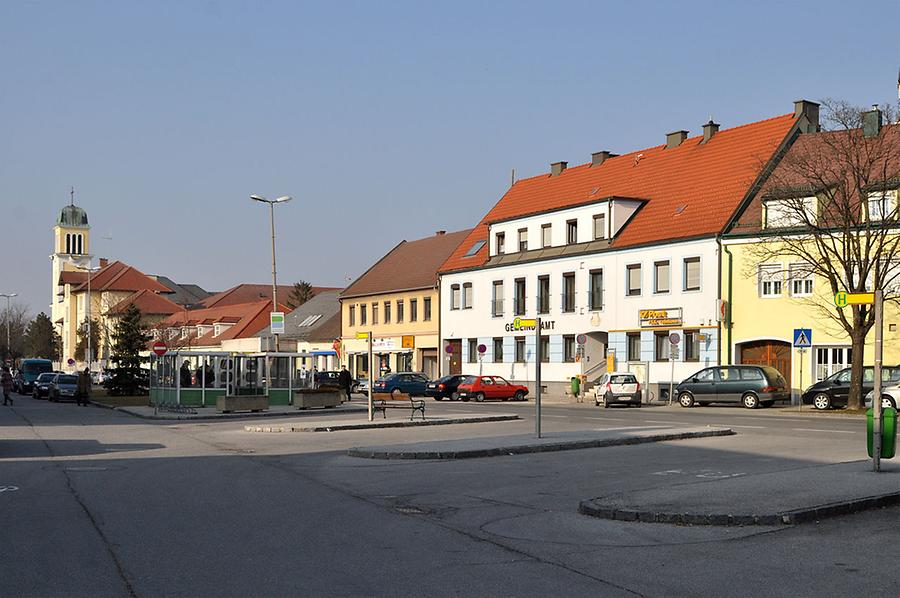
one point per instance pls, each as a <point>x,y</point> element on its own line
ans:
<point>691,274</point>
<point>467,295</point>
<point>571,232</point>
<point>374,313</point>
<point>520,297</point>
<point>568,305</point>
<point>801,280</point>
<point>599,226</point>
<point>633,280</point>
<point>523,239</point>
<point>882,205</point>
<point>501,243</point>
<point>473,350</point>
<point>546,231</point>
<point>786,213</point>
<point>475,248</point>
<point>399,311</point>
<point>426,309</point>
<point>710,375</point>
<point>751,374</point>
<point>387,312</point>
<point>770,280</point>
<point>497,298</point>
<point>691,345</point>
<point>498,350</point>
<point>569,348</point>
<point>596,292</point>
<point>633,340</point>
<point>454,297</point>
<point>413,310</point>
<point>520,349</point>
<point>543,305</point>
<point>661,346</point>
<point>661,277</point>
<point>545,349</point>
<point>353,315</point>
<point>362,314</point>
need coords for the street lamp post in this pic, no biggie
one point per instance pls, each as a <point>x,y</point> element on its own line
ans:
<point>8,297</point>
<point>272,202</point>
<point>87,309</point>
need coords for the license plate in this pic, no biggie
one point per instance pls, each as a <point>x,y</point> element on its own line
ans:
<point>431,386</point>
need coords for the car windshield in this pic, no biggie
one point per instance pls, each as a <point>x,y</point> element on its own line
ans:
<point>67,380</point>
<point>622,379</point>
<point>46,377</point>
<point>37,367</point>
<point>468,380</point>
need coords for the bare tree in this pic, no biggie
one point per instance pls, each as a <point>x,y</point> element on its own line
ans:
<point>13,324</point>
<point>831,209</point>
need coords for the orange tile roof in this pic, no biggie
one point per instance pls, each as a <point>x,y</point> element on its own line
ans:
<point>75,277</point>
<point>246,293</point>
<point>148,303</point>
<point>119,276</point>
<point>246,318</point>
<point>708,179</point>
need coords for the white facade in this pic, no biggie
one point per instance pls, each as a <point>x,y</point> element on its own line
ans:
<point>609,323</point>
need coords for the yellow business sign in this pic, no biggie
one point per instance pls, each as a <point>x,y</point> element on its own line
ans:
<point>408,341</point>
<point>843,299</point>
<point>363,336</point>
<point>520,323</point>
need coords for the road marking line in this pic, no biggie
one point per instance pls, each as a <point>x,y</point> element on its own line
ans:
<point>739,426</point>
<point>826,431</point>
<point>656,421</point>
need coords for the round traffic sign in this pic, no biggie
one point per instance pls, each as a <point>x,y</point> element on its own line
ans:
<point>160,348</point>
<point>70,361</point>
<point>449,348</point>
<point>581,339</point>
<point>482,348</point>
<point>674,338</point>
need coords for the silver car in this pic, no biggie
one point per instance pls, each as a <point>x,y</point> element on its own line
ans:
<point>63,386</point>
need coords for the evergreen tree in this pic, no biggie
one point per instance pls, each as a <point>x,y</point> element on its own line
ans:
<point>41,338</point>
<point>300,294</point>
<point>81,344</point>
<point>129,341</point>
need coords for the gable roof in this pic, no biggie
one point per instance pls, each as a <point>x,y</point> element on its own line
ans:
<point>182,294</point>
<point>148,303</point>
<point>410,265</point>
<point>119,276</point>
<point>246,320</point>
<point>75,277</point>
<point>690,190</point>
<point>324,308</point>
<point>245,293</point>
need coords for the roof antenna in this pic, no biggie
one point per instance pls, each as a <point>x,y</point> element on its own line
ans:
<point>512,178</point>
<point>72,196</point>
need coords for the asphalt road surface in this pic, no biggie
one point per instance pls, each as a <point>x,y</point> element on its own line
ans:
<point>98,503</point>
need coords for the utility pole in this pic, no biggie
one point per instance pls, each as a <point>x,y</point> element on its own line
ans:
<point>272,202</point>
<point>8,297</point>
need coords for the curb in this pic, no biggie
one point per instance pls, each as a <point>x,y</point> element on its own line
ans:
<point>229,416</point>
<point>375,453</point>
<point>374,426</point>
<point>591,508</point>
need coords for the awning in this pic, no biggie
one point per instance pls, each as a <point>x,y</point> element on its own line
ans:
<point>324,353</point>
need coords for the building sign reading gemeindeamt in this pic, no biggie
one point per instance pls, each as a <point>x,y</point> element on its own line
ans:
<point>659,318</point>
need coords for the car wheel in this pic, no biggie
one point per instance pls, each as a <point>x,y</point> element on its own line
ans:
<point>887,402</point>
<point>479,397</point>
<point>686,399</point>
<point>354,389</point>
<point>454,396</point>
<point>750,401</point>
<point>821,402</point>
<point>520,396</point>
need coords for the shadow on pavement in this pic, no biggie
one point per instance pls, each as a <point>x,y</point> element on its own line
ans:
<point>10,449</point>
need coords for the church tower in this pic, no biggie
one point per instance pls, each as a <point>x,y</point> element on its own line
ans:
<point>71,249</point>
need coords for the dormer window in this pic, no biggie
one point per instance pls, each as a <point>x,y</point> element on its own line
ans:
<point>882,205</point>
<point>501,243</point>
<point>523,239</point>
<point>599,226</point>
<point>789,213</point>
<point>546,240</point>
<point>572,232</point>
<point>475,248</point>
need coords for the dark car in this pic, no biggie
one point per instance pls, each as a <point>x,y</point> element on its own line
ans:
<point>63,386</point>
<point>411,383</point>
<point>491,387</point>
<point>834,390</point>
<point>41,387</point>
<point>445,387</point>
<point>28,372</point>
<point>331,377</point>
<point>749,385</point>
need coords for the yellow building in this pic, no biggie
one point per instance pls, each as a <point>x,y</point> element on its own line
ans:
<point>397,300</point>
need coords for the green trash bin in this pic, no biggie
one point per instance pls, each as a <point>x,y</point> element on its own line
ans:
<point>576,385</point>
<point>888,432</point>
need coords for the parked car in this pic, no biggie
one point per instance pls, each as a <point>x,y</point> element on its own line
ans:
<point>617,388</point>
<point>363,385</point>
<point>490,387</point>
<point>890,396</point>
<point>330,378</point>
<point>411,383</point>
<point>41,386</point>
<point>445,387</point>
<point>28,372</point>
<point>834,390</point>
<point>63,386</point>
<point>749,385</point>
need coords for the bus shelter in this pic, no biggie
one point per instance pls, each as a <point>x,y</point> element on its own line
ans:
<point>197,378</point>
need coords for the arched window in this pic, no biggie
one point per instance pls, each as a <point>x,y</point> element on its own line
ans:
<point>80,243</point>
<point>68,243</point>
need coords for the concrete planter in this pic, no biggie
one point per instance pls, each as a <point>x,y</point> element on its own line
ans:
<point>319,397</point>
<point>227,404</point>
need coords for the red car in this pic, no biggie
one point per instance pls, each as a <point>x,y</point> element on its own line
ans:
<point>490,387</point>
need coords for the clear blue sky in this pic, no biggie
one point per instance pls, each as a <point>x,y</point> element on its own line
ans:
<point>384,120</point>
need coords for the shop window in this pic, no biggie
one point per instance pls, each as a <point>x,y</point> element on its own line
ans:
<point>569,348</point>
<point>633,341</point>
<point>545,349</point>
<point>692,345</point>
<point>661,346</point>
<point>473,350</point>
<point>520,349</point>
<point>498,350</point>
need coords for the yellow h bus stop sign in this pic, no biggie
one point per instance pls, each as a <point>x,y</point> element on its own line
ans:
<point>844,299</point>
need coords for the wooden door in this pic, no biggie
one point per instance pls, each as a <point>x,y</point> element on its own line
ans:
<point>455,356</point>
<point>773,353</point>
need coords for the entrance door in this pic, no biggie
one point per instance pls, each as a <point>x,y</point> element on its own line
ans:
<point>455,356</point>
<point>773,353</point>
<point>429,363</point>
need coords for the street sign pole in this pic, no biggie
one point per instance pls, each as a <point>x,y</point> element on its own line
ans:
<point>800,396</point>
<point>537,377</point>
<point>371,375</point>
<point>878,412</point>
<point>674,339</point>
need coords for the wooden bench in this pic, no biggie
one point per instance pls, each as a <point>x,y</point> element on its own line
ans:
<point>382,401</point>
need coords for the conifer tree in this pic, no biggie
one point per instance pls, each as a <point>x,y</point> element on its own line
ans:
<point>129,341</point>
<point>41,339</point>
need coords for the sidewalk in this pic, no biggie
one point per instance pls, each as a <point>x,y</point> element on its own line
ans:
<point>210,413</point>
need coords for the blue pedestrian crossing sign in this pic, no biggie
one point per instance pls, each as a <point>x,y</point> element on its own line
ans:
<point>802,338</point>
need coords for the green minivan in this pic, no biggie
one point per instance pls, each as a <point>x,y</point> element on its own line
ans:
<point>748,385</point>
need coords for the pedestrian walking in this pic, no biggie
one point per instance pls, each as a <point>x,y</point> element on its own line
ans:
<point>83,388</point>
<point>7,383</point>
<point>344,381</point>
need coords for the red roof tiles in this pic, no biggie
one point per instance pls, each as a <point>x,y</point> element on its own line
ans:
<point>119,276</point>
<point>246,318</point>
<point>148,303</point>
<point>246,293</point>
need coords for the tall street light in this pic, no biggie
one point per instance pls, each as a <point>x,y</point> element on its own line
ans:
<point>8,297</point>
<point>272,202</point>
<point>90,270</point>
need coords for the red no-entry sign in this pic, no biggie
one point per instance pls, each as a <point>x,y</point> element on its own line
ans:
<point>160,348</point>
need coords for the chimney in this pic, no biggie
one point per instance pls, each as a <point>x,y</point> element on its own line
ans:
<point>872,122</point>
<point>811,111</point>
<point>710,129</point>
<point>556,168</point>
<point>675,138</point>
<point>440,232</point>
<point>598,158</point>
<point>104,262</point>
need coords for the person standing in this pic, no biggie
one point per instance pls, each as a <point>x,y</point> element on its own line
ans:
<point>83,387</point>
<point>344,381</point>
<point>7,383</point>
